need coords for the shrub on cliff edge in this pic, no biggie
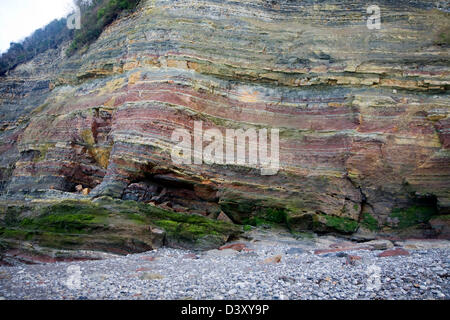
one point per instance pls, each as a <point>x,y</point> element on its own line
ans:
<point>40,41</point>
<point>95,16</point>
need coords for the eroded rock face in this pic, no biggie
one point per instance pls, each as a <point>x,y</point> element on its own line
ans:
<point>105,224</point>
<point>363,114</point>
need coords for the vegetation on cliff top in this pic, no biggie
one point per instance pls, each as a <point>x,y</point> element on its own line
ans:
<point>40,41</point>
<point>95,16</point>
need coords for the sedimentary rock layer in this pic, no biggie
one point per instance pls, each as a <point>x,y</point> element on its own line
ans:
<point>363,114</point>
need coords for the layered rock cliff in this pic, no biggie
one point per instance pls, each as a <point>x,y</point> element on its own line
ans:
<point>363,114</point>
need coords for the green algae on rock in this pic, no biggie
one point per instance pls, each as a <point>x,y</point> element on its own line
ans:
<point>110,225</point>
<point>363,116</point>
<point>413,215</point>
<point>370,222</point>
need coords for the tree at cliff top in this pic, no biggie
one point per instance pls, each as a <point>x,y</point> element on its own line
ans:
<point>41,40</point>
<point>95,16</point>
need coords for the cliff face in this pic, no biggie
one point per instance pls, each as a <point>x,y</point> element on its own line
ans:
<point>363,114</point>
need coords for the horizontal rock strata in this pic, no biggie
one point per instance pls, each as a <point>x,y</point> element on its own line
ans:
<point>363,114</point>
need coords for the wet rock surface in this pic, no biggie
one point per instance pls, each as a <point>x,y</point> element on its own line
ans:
<point>106,225</point>
<point>275,266</point>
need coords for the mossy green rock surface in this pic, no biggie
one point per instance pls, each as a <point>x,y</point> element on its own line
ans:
<point>109,225</point>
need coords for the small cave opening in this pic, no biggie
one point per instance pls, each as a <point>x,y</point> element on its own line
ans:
<point>169,190</point>
<point>143,190</point>
<point>417,212</point>
<point>426,201</point>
